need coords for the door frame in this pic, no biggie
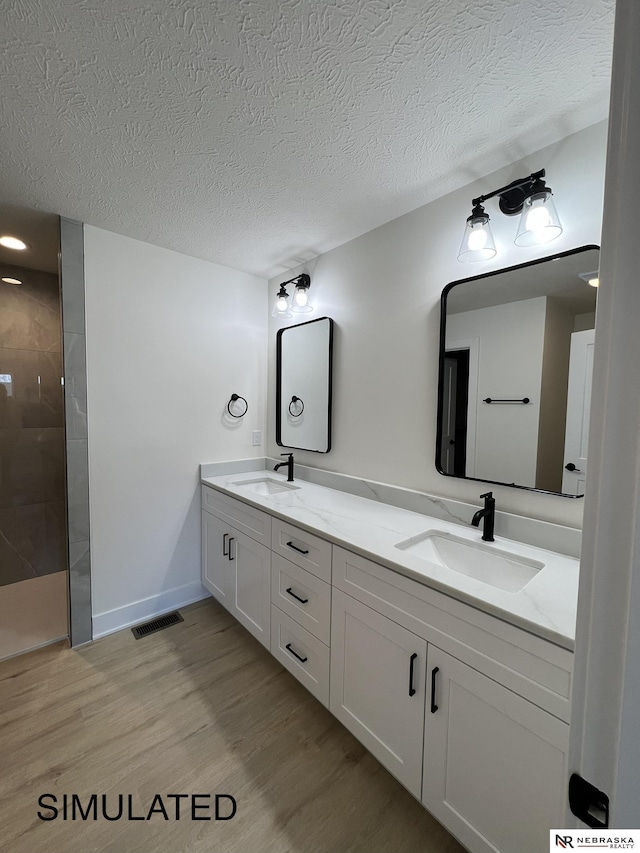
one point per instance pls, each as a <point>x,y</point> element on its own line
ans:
<point>604,747</point>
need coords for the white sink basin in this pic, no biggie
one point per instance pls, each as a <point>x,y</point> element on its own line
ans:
<point>265,486</point>
<point>479,560</point>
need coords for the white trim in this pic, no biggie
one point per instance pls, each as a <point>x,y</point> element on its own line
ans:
<point>147,608</point>
<point>604,746</point>
<point>473,346</point>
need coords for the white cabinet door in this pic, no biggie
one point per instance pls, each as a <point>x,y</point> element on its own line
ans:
<point>377,686</point>
<point>494,764</point>
<point>251,584</point>
<point>217,574</point>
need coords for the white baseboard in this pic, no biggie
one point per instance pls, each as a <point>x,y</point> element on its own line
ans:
<point>148,608</point>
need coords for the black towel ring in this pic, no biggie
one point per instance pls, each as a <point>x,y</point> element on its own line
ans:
<point>295,399</point>
<point>233,399</point>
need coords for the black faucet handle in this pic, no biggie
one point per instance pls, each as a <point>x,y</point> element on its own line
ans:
<point>286,454</point>
<point>487,496</point>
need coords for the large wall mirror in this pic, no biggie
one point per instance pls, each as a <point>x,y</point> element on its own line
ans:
<point>516,358</point>
<point>303,390</point>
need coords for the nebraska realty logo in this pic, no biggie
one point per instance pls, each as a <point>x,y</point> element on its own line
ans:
<point>579,839</point>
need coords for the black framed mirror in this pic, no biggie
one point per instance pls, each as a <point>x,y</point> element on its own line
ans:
<point>303,389</point>
<point>515,368</point>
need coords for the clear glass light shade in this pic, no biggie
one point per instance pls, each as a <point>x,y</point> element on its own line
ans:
<point>300,303</point>
<point>281,307</point>
<point>539,221</point>
<point>477,242</point>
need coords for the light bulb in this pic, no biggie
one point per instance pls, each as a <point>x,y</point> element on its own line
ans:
<point>301,297</point>
<point>594,282</point>
<point>539,222</point>
<point>477,238</point>
<point>538,217</point>
<point>281,304</point>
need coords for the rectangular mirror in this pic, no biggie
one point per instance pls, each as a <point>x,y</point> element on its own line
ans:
<point>516,361</point>
<point>303,389</point>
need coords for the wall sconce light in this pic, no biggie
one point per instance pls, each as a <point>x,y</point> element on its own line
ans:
<point>539,220</point>
<point>299,303</point>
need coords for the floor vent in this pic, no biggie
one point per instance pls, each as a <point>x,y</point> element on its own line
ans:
<point>156,624</point>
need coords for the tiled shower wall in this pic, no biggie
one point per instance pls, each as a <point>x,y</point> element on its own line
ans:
<point>33,536</point>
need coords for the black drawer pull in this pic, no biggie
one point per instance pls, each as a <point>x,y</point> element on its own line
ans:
<point>225,545</point>
<point>434,672</point>
<point>412,689</point>
<point>295,654</point>
<point>299,550</point>
<point>297,597</point>
<point>232,539</point>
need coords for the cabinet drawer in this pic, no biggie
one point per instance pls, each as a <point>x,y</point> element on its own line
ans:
<point>303,596</point>
<point>247,519</point>
<point>531,666</point>
<point>301,653</point>
<point>302,548</point>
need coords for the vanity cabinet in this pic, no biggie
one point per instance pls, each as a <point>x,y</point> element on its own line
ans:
<point>301,606</point>
<point>470,713</point>
<point>494,763</point>
<point>489,763</point>
<point>236,566</point>
<point>378,686</point>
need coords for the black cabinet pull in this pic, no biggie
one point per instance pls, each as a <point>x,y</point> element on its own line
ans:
<point>434,672</point>
<point>224,545</point>
<point>232,539</point>
<point>412,689</point>
<point>299,550</point>
<point>295,654</point>
<point>297,597</point>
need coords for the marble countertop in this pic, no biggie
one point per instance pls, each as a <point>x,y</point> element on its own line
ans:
<point>546,606</point>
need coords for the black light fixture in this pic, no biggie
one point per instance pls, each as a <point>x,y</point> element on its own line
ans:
<point>539,220</point>
<point>299,303</point>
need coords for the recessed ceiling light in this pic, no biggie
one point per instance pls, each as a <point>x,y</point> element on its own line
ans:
<point>590,277</point>
<point>11,280</point>
<point>12,242</point>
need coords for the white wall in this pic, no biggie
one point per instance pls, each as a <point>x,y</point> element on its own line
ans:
<point>511,343</point>
<point>383,290</point>
<point>169,339</point>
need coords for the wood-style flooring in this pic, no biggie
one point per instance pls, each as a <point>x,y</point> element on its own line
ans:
<point>199,708</point>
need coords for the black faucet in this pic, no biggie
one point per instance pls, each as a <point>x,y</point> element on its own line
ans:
<point>289,464</point>
<point>488,512</point>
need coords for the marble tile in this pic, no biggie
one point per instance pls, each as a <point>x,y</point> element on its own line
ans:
<point>72,274</point>
<point>33,541</point>
<point>75,385</point>
<point>30,389</point>
<point>31,466</point>
<point>533,531</point>
<point>78,490</point>
<point>80,592</point>
<point>218,469</point>
<point>30,313</point>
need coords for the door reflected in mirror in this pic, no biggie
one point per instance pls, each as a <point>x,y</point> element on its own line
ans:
<point>303,388</point>
<point>516,362</point>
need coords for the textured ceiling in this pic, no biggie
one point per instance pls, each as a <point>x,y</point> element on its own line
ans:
<point>259,133</point>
